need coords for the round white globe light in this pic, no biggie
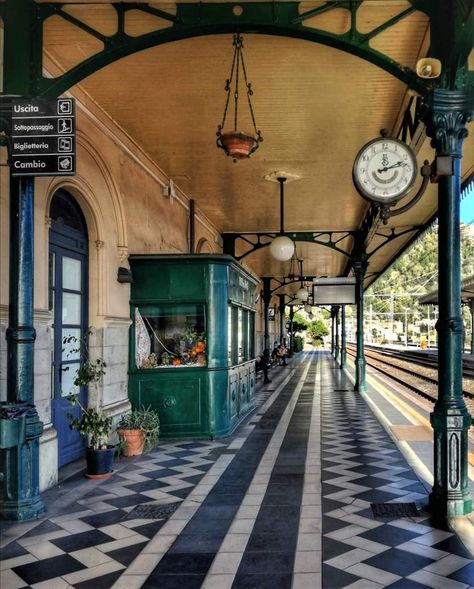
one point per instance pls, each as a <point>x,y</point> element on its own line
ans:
<point>282,248</point>
<point>302,294</point>
<point>307,309</point>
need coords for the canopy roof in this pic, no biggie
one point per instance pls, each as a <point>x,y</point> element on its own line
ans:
<point>315,104</point>
<point>467,293</point>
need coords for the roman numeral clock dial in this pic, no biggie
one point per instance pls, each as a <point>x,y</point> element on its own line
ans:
<point>385,170</point>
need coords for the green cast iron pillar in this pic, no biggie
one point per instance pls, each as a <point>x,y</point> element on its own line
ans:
<point>291,316</point>
<point>471,309</point>
<point>360,266</point>
<point>336,339</point>
<point>343,338</point>
<point>451,110</point>
<point>267,297</point>
<point>19,465</point>
<point>332,331</point>
<point>281,308</point>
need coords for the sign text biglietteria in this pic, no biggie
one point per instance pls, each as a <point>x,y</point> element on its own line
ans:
<point>43,137</point>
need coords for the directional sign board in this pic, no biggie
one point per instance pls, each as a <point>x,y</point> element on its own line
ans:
<point>334,291</point>
<point>43,137</point>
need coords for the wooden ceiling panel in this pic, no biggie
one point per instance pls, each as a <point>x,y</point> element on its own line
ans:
<point>71,44</point>
<point>315,106</point>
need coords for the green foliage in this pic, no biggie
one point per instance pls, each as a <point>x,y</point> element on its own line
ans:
<point>412,275</point>
<point>298,343</point>
<point>90,371</point>
<point>144,419</point>
<point>300,323</point>
<point>317,330</point>
<point>92,424</point>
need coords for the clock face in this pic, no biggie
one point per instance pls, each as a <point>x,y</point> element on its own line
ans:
<point>384,170</point>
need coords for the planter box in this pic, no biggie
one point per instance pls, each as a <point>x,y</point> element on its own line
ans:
<point>12,431</point>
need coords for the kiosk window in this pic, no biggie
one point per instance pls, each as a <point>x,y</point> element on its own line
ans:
<point>229,336</point>
<point>170,336</point>
<point>251,335</point>
<point>240,337</point>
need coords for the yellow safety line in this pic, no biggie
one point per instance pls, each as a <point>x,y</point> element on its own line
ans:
<point>400,404</point>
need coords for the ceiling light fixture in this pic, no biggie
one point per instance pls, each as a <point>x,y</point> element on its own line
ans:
<point>302,293</point>
<point>282,247</point>
<point>237,143</point>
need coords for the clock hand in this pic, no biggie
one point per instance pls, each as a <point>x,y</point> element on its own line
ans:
<point>397,165</point>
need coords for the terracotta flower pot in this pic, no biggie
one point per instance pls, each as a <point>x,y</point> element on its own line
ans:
<point>238,144</point>
<point>134,441</point>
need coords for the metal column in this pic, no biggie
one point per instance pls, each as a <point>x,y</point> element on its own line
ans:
<point>471,309</point>
<point>343,338</point>
<point>19,465</point>
<point>332,331</point>
<point>336,342</point>
<point>360,266</point>
<point>450,111</point>
<point>282,307</point>
<point>291,315</point>
<point>266,296</point>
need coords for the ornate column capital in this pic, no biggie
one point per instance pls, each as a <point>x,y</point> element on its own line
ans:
<point>122,252</point>
<point>450,112</point>
<point>359,265</point>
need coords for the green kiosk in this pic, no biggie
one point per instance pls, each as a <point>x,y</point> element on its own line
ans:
<point>192,348</point>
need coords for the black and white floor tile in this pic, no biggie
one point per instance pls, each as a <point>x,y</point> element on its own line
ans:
<point>360,466</point>
<point>284,503</point>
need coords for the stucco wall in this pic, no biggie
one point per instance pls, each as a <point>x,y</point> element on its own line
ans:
<point>120,191</point>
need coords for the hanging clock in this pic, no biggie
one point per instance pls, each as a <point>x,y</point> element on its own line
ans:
<point>385,170</point>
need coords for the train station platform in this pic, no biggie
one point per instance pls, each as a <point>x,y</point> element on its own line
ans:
<point>303,495</point>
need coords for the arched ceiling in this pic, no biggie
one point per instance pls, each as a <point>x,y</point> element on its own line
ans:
<point>315,106</point>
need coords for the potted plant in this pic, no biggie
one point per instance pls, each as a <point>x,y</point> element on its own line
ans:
<point>138,430</point>
<point>91,423</point>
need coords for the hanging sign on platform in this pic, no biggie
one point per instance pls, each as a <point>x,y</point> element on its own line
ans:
<point>43,137</point>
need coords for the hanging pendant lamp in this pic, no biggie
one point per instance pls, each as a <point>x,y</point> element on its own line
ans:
<point>282,247</point>
<point>236,142</point>
<point>302,293</point>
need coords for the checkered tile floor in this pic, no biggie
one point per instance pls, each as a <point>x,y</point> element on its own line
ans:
<point>284,503</point>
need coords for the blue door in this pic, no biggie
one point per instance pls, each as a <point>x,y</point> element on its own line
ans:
<point>68,274</point>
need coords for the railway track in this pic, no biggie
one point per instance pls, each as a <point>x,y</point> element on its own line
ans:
<point>415,373</point>
<point>423,359</point>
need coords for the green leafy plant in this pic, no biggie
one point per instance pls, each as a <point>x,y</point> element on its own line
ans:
<point>298,343</point>
<point>145,419</point>
<point>92,423</point>
<point>90,371</point>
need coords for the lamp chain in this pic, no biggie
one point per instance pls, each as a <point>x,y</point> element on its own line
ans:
<point>238,46</point>
<point>237,61</point>
<point>249,94</point>
<point>238,143</point>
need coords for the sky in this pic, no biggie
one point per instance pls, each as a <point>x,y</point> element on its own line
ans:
<point>467,206</point>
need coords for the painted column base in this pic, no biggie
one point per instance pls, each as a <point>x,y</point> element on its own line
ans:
<point>450,495</point>
<point>19,467</point>
<point>343,360</point>
<point>360,384</point>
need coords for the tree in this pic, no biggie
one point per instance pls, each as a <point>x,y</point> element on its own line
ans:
<point>300,323</point>
<point>317,329</point>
